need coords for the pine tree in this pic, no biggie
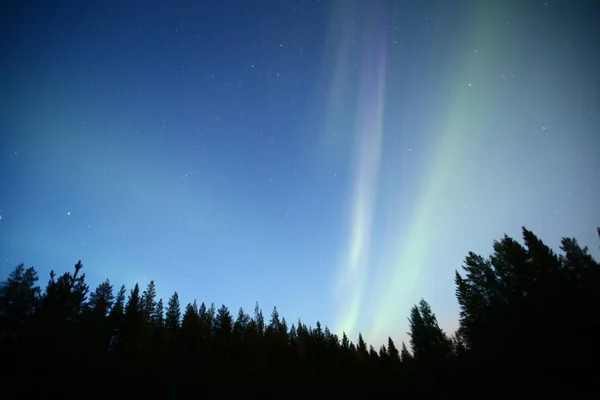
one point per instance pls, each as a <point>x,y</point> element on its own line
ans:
<point>373,355</point>
<point>383,353</point>
<point>158,317</point>
<point>430,345</point>
<point>101,299</point>
<point>133,306</point>
<point>241,322</point>
<point>148,303</point>
<point>405,355</point>
<point>239,338</point>
<point>293,333</point>
<point>514,303</point>
<point>19,298</point>
<point>158,337</point>
<point>63,313</point>
<point>283,330</point>
<point>116,318</point>
<point>332,342</point>
<point>260,320</point>
<point>134,322</point>
<point>223,326</point>
<point>393,353</point>
<point>65,298</point>
<point>173,314</point>
<point>190,329</point>
<point>319,332</point>
<point>274,323</point>
<point>206,326</point>
<point>172,321</point>
<point>362,347</point>
<point>345,342</point>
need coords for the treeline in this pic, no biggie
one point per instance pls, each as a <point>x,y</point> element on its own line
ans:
<point>529,319</point>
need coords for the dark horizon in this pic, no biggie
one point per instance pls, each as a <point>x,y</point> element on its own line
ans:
<point>526,312</point>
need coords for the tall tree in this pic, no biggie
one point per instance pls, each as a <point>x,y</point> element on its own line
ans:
<point>158,317</point>
<point>239,337</point>
<point>274,323</point>
<point>116,318</point>
<point>259,319</point>
<point>148,303</point>
<point>430,345</point>
<point>172,321</point>
<point>101,299</point>
<point>383,353</point>
<point>190,329</point>
<point>134,321</point>
<point>65,297</point>
<point>405,355</point>
<point>62,316</point>
<point>345,342</point>
<point>521,301</point>
<point>223,327</point>
<point>393,352</point>
<point>373,355</point>
<point>362,347</point>
<point>173,314</point>
<point>19,297</point>
<point>206,326</point>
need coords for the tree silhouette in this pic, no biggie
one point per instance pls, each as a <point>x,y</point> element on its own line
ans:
<point>116,319</point>
<point>19,298</point>
<point>148,304</point>
<point>430,345</point>
<point>101,299</point>
<point>223,327</point>
<point>527,321</point>
<point>172,321</point>
<point>133,328</point>
<point>190,335</point>
<point>405,355</point>
<point>393,353</point>
<point>524,299</point>
<point>100,331</point>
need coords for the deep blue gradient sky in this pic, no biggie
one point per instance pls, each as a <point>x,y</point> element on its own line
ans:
<point>336,159</point>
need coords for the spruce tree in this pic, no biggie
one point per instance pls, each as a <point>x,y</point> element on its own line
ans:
<point>19,298</point>
<point>362,347</point>
<point>148,303</point>
<point>101,299</point>
<point>223,326</point>
<point>133,322</point>
<point>393,352</point>
<point>158,317</point>
<point>172,322</point>
<point>430,345</point>
<point>173,314</point>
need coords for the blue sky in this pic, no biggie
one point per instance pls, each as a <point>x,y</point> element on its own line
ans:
<point>336,159</point>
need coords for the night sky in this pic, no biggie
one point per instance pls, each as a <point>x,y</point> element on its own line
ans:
<point>336,159</point>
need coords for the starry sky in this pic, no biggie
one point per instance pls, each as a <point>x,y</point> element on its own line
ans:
<point>337,159</point>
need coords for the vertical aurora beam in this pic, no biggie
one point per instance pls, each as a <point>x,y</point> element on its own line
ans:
<point>446,163</point>
<point>368,135</point>
<point>338,44</point>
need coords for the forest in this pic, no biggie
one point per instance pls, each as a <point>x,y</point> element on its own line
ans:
<point>529,322</point>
